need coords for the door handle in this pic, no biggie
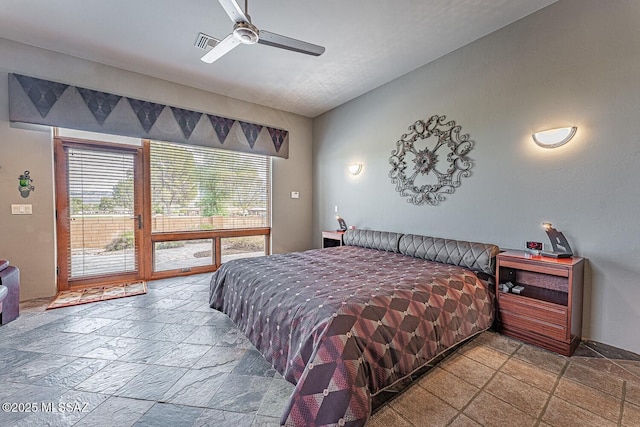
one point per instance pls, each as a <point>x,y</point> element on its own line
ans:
<point>139,222</point>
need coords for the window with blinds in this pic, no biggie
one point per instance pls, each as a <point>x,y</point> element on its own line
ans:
<point>102,212</point>
<point>200,188</point>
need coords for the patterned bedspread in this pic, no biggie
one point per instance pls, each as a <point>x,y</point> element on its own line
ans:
<point>344,323</point>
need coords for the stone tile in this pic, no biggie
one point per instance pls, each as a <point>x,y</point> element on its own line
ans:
<point>50,341</point>
<point>22,340</point>
<point>386,417</point>
<point>594,378</point>
<point>276,399</point>
<point>184,355</point>
<point>144,329</point>
<point>220,320</point>
<point>114,348</point>
<point>560,413</point>
<point>541,358</point>
<point>264,421</point>
<point>224,336</point>
<point>463,421</point>
<point>208,335</point>
<point>632,367</point>
<point>611,352</point>
<point>240,393</point>
<point>83,325</point>
<point>528,399</point>
<point>28,393</point>
<point>73,373</point>
<point>485,355</point>
<point>116,412</point>
<point>119,328</point>
<point>253,363</point>
<point>111,378</point>
<point>32,371</point>
<point>468,370</point>
<point>498,341</point>
<point>114,312</point>
<point>193,318</point>
<point>234,338</point>
<point>147,351</point>
<point>584,351</point>
<point>9,388</point>
<point>590,399</point>
<point>216,417</point>
<point>68,409</point>
<point>631,415</point>
<point>152,383</point>
<point>10,358</point>
<point>530,374</point>
<point>613,368</point>
<point>168,303</point>
<point>27,323</point>
<point>174,333</point>
<point>448,387</point>
<point>633,392</point>
<point>420,407</point>
<point>78,344</point>
<point>166,414</point>
<point>490,411</point>
<point>225,359</point>
<point>196,387</point>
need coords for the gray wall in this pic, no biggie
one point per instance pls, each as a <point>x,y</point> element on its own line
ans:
<point>29,242</point>
<point>576,62</point>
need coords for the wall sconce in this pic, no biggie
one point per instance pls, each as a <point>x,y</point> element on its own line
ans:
<point>355,168</point>
<point>559,243</point>
<point>554,137</point>
<point>25,184</point>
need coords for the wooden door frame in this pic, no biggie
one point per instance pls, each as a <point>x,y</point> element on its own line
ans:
<point>62,211</point>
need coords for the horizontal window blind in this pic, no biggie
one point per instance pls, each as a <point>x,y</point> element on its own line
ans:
<point>102,210</point>
<point>201,188</point>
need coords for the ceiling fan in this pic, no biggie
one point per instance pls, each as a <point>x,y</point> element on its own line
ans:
<point>244,32</point>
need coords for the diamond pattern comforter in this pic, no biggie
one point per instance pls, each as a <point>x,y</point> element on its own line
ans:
<point>344,323</point>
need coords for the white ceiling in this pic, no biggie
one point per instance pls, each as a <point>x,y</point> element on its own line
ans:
<point>368,42</point>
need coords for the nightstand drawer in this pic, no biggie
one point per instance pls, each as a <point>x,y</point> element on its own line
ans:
<point>541,327</point>
<point>540,310</point>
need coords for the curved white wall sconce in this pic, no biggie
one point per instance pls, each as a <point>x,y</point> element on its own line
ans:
<point>355,168</point>
<point>554,137</point>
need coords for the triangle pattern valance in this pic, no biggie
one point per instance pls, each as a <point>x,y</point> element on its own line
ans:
<point>43,102</point>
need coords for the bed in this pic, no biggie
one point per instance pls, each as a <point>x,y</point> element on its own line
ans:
<point>345,323</point>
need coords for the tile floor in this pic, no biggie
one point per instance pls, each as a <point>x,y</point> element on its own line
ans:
<point>167,359</point>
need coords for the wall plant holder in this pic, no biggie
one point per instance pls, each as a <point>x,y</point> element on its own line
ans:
<point>430,160</point>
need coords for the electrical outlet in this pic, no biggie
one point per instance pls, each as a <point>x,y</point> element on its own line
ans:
<point>295,194</point>
<point>21,209</point>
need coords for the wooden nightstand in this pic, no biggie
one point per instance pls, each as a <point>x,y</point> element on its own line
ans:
<point>331,238</point>
<point>548,311</point>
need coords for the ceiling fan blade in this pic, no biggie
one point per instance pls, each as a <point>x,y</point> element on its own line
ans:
<point>283,42</point>
<point>224,46</point>
<point>233,10</point>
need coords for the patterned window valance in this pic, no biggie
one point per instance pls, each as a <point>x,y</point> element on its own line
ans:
<point>44,102</point>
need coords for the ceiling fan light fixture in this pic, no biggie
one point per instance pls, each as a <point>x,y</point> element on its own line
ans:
<point>246,33</point>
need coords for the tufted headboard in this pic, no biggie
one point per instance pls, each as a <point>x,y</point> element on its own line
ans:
<point>380,240</point>
<point>472,255</point>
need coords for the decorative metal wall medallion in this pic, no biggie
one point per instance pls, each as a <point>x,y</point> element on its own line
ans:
<point>430,160</point>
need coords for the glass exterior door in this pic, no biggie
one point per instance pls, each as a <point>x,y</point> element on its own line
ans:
<point>99,213</point>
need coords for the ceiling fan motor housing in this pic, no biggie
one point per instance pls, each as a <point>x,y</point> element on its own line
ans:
<point>246,33</point>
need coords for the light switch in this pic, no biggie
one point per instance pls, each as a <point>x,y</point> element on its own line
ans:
<point>21,209</point>
<point>295,194</point>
